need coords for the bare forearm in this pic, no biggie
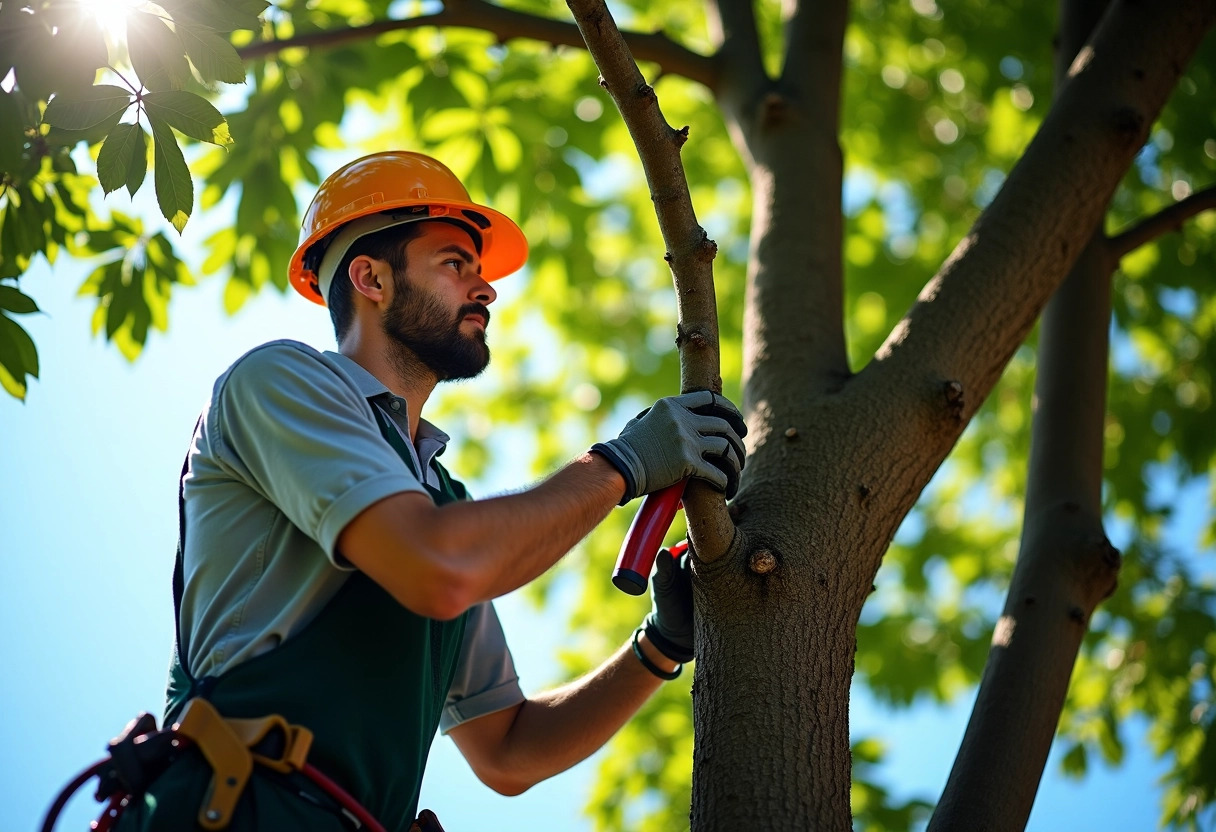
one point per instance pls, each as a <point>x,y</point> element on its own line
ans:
<point>504,542</point>
<point>562,727</point>
<point>439,561</point>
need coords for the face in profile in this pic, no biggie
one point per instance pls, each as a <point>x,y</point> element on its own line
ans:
<point>439,309</point>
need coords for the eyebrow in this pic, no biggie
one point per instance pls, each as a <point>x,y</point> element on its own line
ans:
<point>453,248</point>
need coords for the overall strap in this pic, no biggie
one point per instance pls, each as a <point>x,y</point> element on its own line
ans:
<point>393,437</point>
<point>179,578</point>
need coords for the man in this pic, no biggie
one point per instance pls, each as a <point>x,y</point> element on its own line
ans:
<point>334,573</point>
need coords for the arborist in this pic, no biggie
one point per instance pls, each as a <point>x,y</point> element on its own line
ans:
<point>333,573</point>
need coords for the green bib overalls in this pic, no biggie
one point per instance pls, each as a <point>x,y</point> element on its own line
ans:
<point>368,677</point>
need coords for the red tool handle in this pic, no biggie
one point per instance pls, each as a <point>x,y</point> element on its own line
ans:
<point>644,538</point>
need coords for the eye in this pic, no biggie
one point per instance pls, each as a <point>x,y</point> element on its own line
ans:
<point>454,263</point>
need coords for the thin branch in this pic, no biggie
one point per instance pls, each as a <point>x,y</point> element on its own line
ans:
<point>690,252</point>
<point>1164,221</point>
<point>506,24</point>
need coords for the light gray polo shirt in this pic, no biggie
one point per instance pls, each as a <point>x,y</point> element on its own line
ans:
<point>286,454</point>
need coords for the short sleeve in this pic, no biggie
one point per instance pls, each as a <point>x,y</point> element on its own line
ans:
<point>485,679</point>
<point>287,422</point>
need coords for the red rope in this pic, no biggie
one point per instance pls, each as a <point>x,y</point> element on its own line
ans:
<point>343,797</point>
<point>52,815</point>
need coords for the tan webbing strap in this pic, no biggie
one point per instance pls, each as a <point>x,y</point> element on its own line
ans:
<point>230,760</point>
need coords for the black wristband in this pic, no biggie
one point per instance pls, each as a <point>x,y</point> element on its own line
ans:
<point>651,666</point>
<point>631,486</point>
<point>663,644</point>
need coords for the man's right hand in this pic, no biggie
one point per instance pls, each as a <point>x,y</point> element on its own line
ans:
<point>698,435</point>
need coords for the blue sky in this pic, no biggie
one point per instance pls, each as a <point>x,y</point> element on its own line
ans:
<point>88,469</point>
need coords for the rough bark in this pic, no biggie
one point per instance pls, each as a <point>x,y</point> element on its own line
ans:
<point>943,359</point>
<point>690,252</point>
<point>836,461</point>
<point>1066,565</point>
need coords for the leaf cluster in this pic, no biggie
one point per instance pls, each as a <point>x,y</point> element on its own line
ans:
<point>54,52</point>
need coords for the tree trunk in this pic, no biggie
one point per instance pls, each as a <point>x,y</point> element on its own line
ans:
<point>837,460</point>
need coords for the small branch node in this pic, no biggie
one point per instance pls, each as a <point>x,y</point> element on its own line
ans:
<point>762,562</point>
<point>602,82</point>
<point>954,399</point>
<point>679,137</point>
<point>863,494</point>
<point>707,249</point>
<point>1076,614</point>
<point>693,337</point>
<point>1128,122</point>
<point>773,109</point>
<point>667,255</point>
<point>645,91</point>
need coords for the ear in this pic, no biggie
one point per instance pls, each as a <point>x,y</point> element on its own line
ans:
<point>365,273</point>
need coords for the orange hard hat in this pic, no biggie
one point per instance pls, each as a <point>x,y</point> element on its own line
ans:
<point>387,189</point>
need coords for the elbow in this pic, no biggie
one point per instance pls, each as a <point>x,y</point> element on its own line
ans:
<point>444,595</point>
<point>443,591</point>
<point>506,783</point>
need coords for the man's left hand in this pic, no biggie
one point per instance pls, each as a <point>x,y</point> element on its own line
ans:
<point>669,625</point>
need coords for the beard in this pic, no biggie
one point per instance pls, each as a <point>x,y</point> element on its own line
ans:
<point>420,329</point>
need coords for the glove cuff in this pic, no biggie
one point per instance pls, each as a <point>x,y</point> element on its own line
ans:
<point>618,462</point>
<point>663,644</point>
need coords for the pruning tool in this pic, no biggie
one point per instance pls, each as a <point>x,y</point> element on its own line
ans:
<point>645,535</point>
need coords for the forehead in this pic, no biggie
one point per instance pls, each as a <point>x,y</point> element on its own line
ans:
<point>434,236</point>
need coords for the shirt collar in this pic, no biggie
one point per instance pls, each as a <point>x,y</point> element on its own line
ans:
<point>371,387</point>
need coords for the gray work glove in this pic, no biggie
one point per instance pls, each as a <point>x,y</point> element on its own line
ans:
<point>697,435</point>
<point>669,625</point>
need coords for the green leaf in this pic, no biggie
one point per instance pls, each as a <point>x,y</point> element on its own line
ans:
<point>138,167</point>
<point>58,137</point>
<point>156,53</point>
<point>1075,761</point>
<point>12,134</point>
<point>217,15</point>
<point>16,301</point>
<point>189,113</point>
<point>123,148</point>
<point>215,58</point>
<point>17,352</point>
<point>85,108</point>
<point>174,189</point>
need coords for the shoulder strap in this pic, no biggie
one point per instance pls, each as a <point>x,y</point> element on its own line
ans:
<point>179,577</point>
<point>393,437</point>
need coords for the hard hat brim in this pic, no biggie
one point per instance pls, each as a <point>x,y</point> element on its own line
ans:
<point>504,248</point>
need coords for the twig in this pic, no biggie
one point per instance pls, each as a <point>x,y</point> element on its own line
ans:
<point>690,252</point>
<point>1164,221</point>
<point>505,24</point>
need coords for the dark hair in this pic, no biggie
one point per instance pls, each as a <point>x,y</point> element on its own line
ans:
<point>388,245</point>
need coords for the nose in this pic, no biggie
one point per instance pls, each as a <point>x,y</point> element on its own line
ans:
<point>482,292</point>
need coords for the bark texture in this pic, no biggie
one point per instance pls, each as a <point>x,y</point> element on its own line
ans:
<point>1066,565</point>
<point>837,460</point>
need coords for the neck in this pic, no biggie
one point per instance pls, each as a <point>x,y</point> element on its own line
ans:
<point>400,371</point>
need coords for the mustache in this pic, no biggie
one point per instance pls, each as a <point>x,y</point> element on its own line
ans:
<point>473,309</point>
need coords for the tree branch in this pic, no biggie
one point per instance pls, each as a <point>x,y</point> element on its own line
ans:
<point>506,24</point>
<point>1164,221</point>
<point>690,252</point>
<point>1066,565</point>
<point>944,357</point>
